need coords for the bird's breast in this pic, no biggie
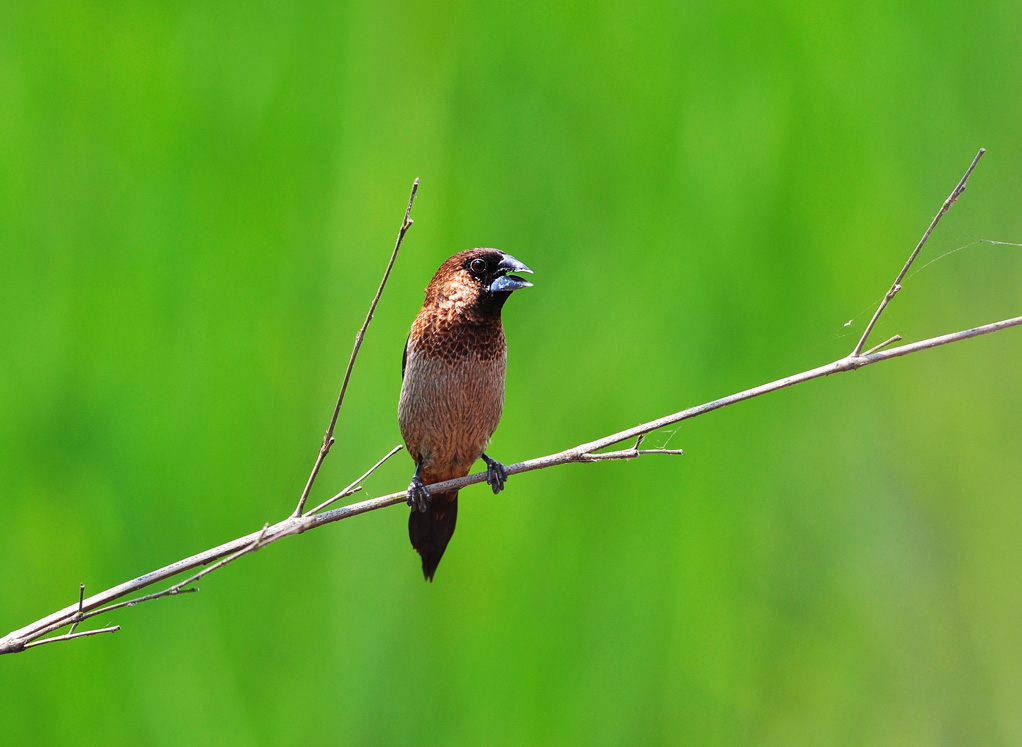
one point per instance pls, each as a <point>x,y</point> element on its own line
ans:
<point>449,408</point>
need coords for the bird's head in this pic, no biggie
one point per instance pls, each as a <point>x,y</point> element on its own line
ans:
<point>476,282</point>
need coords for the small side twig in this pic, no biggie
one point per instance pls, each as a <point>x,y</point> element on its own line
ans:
<point>884,344</point>
<point>77,618</point>
<point>69,636</point>
<point>80,616</point>
<point>250,548</point>
<point>328,439</point>
<point>138,600</point>
<point>631,453</point>
<point>896,286</point>
<point>178,588</point>
<point>355,486</point>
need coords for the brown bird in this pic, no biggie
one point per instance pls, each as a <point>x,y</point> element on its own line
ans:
<point>452,389</point>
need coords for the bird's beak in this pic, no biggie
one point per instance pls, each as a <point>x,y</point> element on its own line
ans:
<point>505,282</point>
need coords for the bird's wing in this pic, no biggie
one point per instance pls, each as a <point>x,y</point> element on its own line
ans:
<point>404,357</point>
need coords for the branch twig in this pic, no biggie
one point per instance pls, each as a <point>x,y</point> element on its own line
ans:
<point>81,615</point>
<point>357,485</point>
<point>631,453</point>
<point>70,636</point>
<point>328,439</point>
<point>28,636</point>
<point>896,286</point>
<point>884,344</point>
<point>18,640</point>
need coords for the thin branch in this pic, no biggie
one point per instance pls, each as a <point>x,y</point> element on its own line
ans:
<point>28,636</point>
<point>631,453</point>
<point>76,619</point>
<point>884,344</point>
<point>80,616</point>
<point>896,286</point>
<point>328,439</point>
<point>357,485</point>
<point>148,597</point>
<point>255,545</point>
<point>69,636</point>
<point>225,553</point>
<point>584,452</point>
<point>171,591</point>
<point>18,640</point>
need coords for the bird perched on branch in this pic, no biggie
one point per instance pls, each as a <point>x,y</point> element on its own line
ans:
<point>452,389</point>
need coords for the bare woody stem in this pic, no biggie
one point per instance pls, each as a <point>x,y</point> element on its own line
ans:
<point>896,285</point>
<point>21,639</point>
<point>70,636</point>
<point>328,438</point>
<point>30,635</point>
<point>585,452</point>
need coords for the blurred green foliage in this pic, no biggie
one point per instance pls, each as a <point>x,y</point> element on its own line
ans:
<point>197,201</point>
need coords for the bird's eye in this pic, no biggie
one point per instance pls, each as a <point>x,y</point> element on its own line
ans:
<point>478,266</point>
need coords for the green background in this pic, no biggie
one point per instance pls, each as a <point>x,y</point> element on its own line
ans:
<point>197,201</point>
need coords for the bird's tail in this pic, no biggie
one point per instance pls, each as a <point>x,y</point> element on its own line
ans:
<point>432,529</point>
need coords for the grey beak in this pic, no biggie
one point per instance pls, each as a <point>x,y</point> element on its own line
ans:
<point>507,282</point>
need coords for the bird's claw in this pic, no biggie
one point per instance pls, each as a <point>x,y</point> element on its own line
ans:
<point>496,474</point>
<point>418,494</point>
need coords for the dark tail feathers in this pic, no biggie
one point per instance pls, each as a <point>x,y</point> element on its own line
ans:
<point>432,529</point>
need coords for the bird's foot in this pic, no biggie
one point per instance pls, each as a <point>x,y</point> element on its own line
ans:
<point>418,495</point>
<point>496,474</point>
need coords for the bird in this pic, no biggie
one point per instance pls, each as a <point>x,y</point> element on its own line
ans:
<point>452,388</point>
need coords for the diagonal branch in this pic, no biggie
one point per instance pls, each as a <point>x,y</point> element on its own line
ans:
<point>328,439</point>
<point>896,286</point>
<point>585,452</point>
<point>224,554</point>
<point>30,635</point>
